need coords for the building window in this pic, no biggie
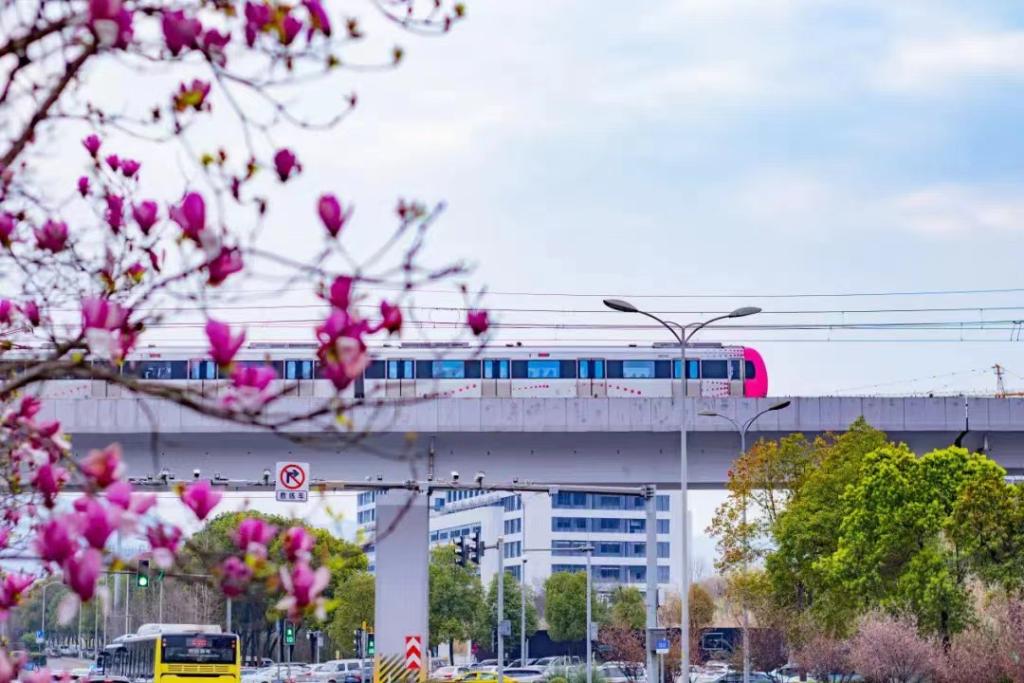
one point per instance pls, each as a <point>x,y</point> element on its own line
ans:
<point>663,574</point>
<point>661,503</point>
<point>663,549</point>
<point>663,526</point>
<point>516,571</point>
<point>512,503</point>
<point>555,568</point>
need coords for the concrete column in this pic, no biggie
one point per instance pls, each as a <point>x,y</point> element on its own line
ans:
<point>652,583</point>
<point>402,555</point>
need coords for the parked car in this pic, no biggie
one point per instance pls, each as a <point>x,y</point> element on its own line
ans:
<point>613,672</point>
<point>477,675</point>
<point>279,673</point>
<point>526,674</point>
<point>518,664</point>
<point>337,671</point>
<point>449,673</point>
<point>560,662</point>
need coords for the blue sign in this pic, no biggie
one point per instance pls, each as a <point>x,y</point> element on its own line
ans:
<point>40,635</point>
<point>662,646</point>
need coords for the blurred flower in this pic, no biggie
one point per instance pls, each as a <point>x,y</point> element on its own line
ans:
<point>180,32</point>
<point>235,576</point>
<point>113,161</point>
<point>318,19</point>
<point>129,167</point>
<point>92,144</point>
<point>53,236</point>
<point>96,521</point>
<point>391,317</point>
<point>11,589</point>
<point>332,214</point>
<point>115,212</point>
<point>30,309</point>
<point>81,571</point>
<point>200,498</point>
<point>285,163</point>
<point>297,543</point>
<point>102,313</point>
<point>214,43</point>
<point>190,215</point>
<point>163,542</point>
<point>341,292</point>
<point>253,535</point>
<point>49,480</point>
<point>53,540</point>
<point>145,214</point>
<point>83,185</point>
<point>111,23</point>
<point>302,586</point>
<point>7,224</point>
<point>258,17</point>
<point>103,466</point>
<point>223,346</point>
<point>192,95</point>
<point>290,27</point>
<point>477,321</point>
<point>227,262</point>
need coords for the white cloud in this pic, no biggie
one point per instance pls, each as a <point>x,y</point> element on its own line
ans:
<point>952,209</point>
<point>945,61</point>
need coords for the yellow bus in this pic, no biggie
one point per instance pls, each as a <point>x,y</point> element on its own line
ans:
<point>172,653</point>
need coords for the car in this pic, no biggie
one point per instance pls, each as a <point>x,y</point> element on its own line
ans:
<point>449,673</point>
<point>279,673</point>
<point>517,663</point>
<point>615,672</point>
<point>526,674</point>
<point>337,671</point>
<point>478,675</point>
<point>737,677</point>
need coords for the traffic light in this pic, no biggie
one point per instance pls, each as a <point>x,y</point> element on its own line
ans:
<point>357,642</point>
<point>289,633</point>
<point>142,574</point>
<point>371,646</point>
<point>475,550</point>
<point>461,551</point>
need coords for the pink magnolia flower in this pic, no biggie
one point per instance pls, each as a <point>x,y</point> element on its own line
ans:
<point>103,466</point>
<point>6,311</point>
<point>103,314</point>
<point>227,262</point>
<point>83,186</point>
<point>29,407</point>
<point>163,542</point>
<point>285,163</point>
<point>214,43</point>
<point>53,236</point>
<point>113,161</point>
<point>223,346</point>
<point>11,590</point>
<point>192,95</point>
<point>258,17</point>
<point>302,585</point>
<point>5,537</point>
<point>30,309</point>
<point>7,224</point>
<point>110,22</point>
<point>145,214</point>
<point>96,521</point>
<point>115,212</point>
<point>135,271</point>
<point>253,535</point>
<point>332,214</point>
<point>250,386</point>
<point>391,317</point>
<point>235,576</point>
<point>318,19</point>
<point>129,167</point>
<point>81,571</point>
<point>297,543</point>
<point>340,294</point>
<point>120,494</point>
<point>92,144</point>
<point>290,27</point>
<point>344,359</point>
<point>49,480</point>
<point>180,32</point>
<point>477,321</point>
<point>53,540</point>
<point>200,498</point>
<point>190,215</point>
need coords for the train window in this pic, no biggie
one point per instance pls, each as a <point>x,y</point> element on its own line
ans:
<point>692,369</point>
<point>714,369</point>
<point>203,369</point>
<point>567,369</point>
<point>662,369</point>
<point>400,369</point>
<point>598,368</point>
<point>751,370</point>
<point>449,369</point>
<point>543,369</point>
<point>472,369</point>
<point>638,369</point>
<point>157,369</point>
<point>298,369</point>
<point>375,370</point>
<point>584,369</point>
<point>276,364</point>
<point>592,369</point>
<point>734,369</point>
<point>495,369</point>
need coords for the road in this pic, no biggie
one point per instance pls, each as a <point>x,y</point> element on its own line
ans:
<point>67,663</point>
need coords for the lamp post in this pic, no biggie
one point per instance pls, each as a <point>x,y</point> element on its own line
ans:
<point>742,429</point>
<point>682,336</point>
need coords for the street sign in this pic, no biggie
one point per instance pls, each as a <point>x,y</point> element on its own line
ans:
<point>292,483</point>
<point>413,653</point>
<point>40,636</point>
<point>595,630</point>
<point>505,628</point>
<point>662,646</point>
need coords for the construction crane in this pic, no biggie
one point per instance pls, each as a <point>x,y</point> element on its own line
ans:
<point>1001,391</point>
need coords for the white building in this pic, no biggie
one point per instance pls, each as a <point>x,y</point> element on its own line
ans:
<point>614,524</point>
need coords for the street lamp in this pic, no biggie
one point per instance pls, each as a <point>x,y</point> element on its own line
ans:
<point>682,336</point>
<point>742,429</point>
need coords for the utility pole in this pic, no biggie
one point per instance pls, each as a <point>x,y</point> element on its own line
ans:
<point>228,610</point>
<point>500,549</point>
<point>127,600</point>
<point>590,658</point>
<point>522,584</point>
<point>653,673</point>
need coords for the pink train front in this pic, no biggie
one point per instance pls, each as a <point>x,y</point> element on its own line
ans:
<point>464,371</point>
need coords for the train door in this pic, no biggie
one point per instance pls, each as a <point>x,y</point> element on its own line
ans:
<point>591,381</point>
<point>400,379</point>
<point>496,382</point>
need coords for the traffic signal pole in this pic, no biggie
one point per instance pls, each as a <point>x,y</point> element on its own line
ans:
<point>500,549</point>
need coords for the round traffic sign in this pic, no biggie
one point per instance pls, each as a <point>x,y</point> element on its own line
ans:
<point>292,476</point>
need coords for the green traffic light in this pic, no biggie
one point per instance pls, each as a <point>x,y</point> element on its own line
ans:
<point>142,581</point>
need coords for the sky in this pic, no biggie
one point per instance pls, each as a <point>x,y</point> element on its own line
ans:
<point>701,154</point>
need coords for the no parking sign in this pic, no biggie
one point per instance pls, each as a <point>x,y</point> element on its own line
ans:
<point>292,483</point>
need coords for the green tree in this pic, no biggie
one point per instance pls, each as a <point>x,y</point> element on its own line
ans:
<point>456,597</point>
<point>628,608</point>
<point>565,606</point>
<point>894,551</point>
<point>353,605</point>
<point>487,622</point>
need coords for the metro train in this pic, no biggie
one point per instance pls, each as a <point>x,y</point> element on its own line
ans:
<point>457,370</point>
